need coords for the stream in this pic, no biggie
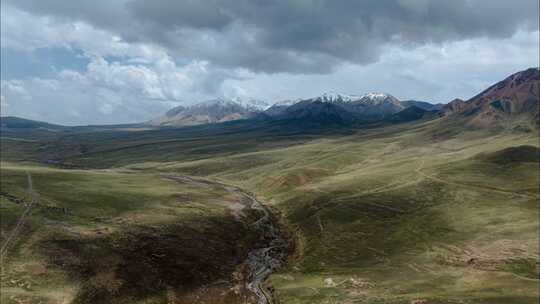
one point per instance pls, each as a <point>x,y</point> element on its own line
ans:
<point>270,252</point>
<point>265,260</point>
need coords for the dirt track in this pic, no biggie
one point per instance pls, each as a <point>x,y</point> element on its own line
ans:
<point>20,222</point>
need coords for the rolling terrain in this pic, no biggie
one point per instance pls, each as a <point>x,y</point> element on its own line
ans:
<point>427,206</point>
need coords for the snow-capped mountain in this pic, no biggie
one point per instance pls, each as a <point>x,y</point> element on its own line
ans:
<point>368,107</point>
<point>378,99</point>
<point>211,111</point>
<point>309,112</point>
<point>371,106</point>
<point>331,106</point>
<point>335,97</point>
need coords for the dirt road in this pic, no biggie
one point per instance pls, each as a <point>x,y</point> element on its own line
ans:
<point>20,222</point>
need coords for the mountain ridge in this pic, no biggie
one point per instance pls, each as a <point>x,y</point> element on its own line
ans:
<point>517,97</point>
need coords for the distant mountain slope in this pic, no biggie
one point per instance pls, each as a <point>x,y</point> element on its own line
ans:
<point>328,107</point>
<point>453,106</point>
<point>318,112</point>
<point>410,114</point>
<point>211,111</point>
<point>422,104</point>
<point>516,98</point>
<point>372,106</point>
<point>366,108</point>
<point>22,123</point>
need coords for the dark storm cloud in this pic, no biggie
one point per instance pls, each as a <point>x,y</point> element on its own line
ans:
<point>304,36</point>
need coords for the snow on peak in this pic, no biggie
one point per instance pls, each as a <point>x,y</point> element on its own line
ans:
<point>375,95</point>
<point>287,102</point>
<point>335,97</point>
<point>376,98</point>
<point>248,103</point>
<point>256,105</point>
<point>252,103</point>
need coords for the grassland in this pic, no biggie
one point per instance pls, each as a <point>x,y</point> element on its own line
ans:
<point>118,237</point>
<point>425,211</point>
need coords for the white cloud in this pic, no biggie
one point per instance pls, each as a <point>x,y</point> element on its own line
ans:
<point>113,92</point>
<point>16,88</point>
<point>106,109</point>
<point>3,104</point>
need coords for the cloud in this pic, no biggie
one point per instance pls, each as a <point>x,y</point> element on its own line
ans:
<point>17,88</point>
<point>3,105</point>
<point>434,73</point>
<point>306,36</point>
<point>113,92</point>
<point>24,31</point>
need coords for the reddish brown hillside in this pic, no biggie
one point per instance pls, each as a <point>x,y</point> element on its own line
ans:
<point>453,106</point>
<point>516,97</point>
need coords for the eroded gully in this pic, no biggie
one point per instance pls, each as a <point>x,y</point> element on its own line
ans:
<point>269,254</point>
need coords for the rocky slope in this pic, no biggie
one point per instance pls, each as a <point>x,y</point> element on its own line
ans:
<point>453,106</point>
<point>515,99</point>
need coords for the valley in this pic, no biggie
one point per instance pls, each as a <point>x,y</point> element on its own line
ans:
<point>305,207</point>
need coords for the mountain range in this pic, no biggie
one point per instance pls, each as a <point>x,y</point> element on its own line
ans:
<point>515,96</point>
<point>328,107</point>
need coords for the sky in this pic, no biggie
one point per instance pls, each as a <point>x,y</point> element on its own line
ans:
<point>106,62</point>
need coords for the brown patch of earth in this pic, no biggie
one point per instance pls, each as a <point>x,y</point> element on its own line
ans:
<point>151,262</point>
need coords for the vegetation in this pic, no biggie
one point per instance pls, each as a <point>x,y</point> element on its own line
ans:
<point>117,237</point>
<point>423,211</point>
